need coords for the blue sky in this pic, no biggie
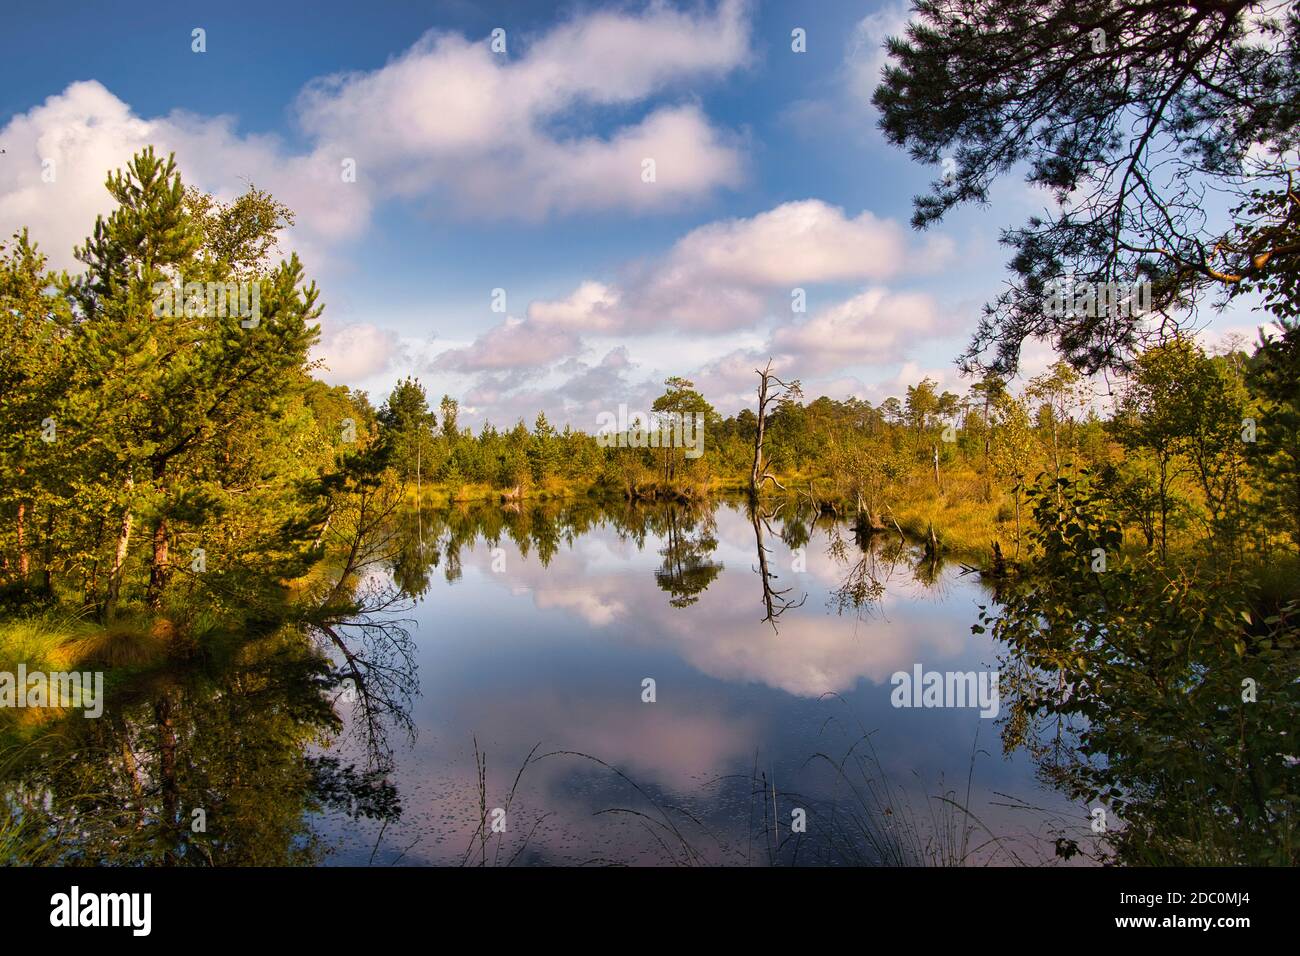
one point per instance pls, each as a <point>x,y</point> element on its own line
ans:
<point>523,171</point>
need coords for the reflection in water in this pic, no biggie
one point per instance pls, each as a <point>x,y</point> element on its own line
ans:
<point>210,764</point>
<point>775,600</point>
<point>689,542</point>
<point>870,562</point>
<point>407,717</point>
<point>538,660</point>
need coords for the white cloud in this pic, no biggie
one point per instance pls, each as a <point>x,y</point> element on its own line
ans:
<point>452,118</point>
<point>722,275</point>
<point>515,343</point>
<point>613,57</point>
<point>691,160</point>
<point>732,276</point>
<point>588,308</point>
<point>725,275</point>
<point>808,241</point>
<point>86,129</point>
<point>872,328</point>
<point>448,121</point>
<point>352,353</point>
<point>86,132</point>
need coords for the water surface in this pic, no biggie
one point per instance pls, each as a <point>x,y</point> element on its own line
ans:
<point>534,630</point>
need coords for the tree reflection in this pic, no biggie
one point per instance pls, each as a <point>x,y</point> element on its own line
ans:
<point>1138,691</point>
<point>870,563</point>
<point>689,541</point>
<point>776,601</point>
<point>216,763</point>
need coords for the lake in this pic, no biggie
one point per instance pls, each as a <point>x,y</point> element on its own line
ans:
<point>772,736</point>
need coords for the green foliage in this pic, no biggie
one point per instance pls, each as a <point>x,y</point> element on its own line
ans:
<point>1274,374</point>
<point>674,407</point>
<point>410,425</point>
<point>1130,681</point>
<point>1185,412</point>
<point>158,433</point>
<point>1128,113</point>
<point>135,438</point>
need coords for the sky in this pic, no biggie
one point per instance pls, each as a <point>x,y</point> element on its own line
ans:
<point>534,206</point>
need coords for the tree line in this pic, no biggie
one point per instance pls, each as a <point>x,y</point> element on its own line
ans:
<point>140,446</point>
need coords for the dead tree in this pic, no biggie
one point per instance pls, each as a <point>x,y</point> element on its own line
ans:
<point>766,396</point>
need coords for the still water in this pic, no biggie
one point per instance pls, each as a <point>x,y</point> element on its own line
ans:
<point>522,730</point>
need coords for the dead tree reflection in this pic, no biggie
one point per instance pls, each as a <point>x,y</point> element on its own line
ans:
<point>776,601</point>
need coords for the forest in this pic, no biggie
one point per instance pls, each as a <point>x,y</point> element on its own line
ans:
<point>152,458</point>
<point>179,490</point>
<point>171,480</point>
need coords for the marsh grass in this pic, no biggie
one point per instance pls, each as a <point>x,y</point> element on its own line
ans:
<point>873,821</point>
<point>483,836</point>
<point>868,820</point>
<point>53,642</point>
<point>23,842</point>
<point>60,642</point>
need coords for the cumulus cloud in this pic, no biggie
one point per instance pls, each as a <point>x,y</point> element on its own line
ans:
<point>352,353</point>
<point>722,276</point>
<point>559,125</point>
<point>726,275</point>
<point>59,153</point>
<point>808,241</point>
<point>589,308</point>
<point>871,328</point>
<point>448,121</point>
<point>454,118</point>
<point>515,343</point>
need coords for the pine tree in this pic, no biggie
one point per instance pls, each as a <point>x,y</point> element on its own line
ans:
<point>169,375</point>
